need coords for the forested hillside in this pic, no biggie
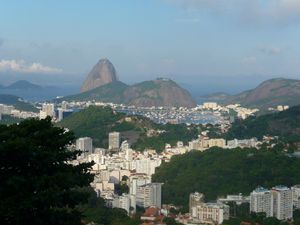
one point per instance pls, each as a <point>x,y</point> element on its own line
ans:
<point>284,124</point>
<point>97,122</point>
<point>218,172</point>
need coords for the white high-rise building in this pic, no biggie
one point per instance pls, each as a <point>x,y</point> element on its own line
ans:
<point>6,109</point>
<point>282,202</point>
<point>128,154</point>
<point>138,180</point>
<point>114,140</point>
<point>261,200</point>
<point>48,109</point>
<point>277,202</point>
<point>125,145</point>
<point>85,144</point>
<point>296,196</point>
<point>210,213</point>
<point>122,202</point>
<point>146,165</point>
<point>149,195</point>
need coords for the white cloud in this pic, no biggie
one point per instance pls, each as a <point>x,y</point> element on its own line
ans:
<point>23,67</point>
<point>271,50</point>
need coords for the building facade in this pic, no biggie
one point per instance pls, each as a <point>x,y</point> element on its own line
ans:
<point>114,140</point>
<point>210,213</point>
<point>261,200</point>
<point>296,196</point>
<point>149,195</point>
<point>282,202</point>
<point>195,200</point>
<point>277,202</point>
<point>85,144</point>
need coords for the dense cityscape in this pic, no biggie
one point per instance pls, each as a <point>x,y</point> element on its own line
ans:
<point>139,112</point>
<point>123,176</point>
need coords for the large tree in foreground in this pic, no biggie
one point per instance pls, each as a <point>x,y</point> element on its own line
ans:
<point>37,184</point>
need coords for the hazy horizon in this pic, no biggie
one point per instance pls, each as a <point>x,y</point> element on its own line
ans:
<point>213,46</point>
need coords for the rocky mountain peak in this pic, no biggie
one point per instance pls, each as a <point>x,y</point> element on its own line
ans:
<point>102,73</point>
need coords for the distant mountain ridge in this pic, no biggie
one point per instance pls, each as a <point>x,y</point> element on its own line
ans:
<point>33,92</point>
<point>285,124</point>
<point>17,102</point>
<point>270,93</point>
<point>23,85</point>
<point>102,84</point>
<point>159,92</point>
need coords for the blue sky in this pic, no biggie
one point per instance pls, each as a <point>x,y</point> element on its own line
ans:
<point>191,41</point>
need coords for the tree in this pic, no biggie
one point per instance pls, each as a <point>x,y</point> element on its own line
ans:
<point>38,185</point>
<point>170,221</point>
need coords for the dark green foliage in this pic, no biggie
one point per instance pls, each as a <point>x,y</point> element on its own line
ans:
<point>6,119</point>
<point>170,221</point>
<point>218,172</point>
<point>240,211</point>
<point>296,217</point>
<point>285,124</point>
<point>37,185</point>
<point>94,122</point>
<point>255,218</point>
<point>96,211</point>
<point>172,134</point>
<point>121,188</point>
<point>97,122</point>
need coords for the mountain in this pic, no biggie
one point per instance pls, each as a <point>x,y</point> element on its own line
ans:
<point>102,85</point>
<point>219,172</point>
<point>35,92</point>
<point>270,93</point>
<point>23,85</point>
<point>284,124</point>
<point>17,102</point>
<point>159,92</point>
<point>102,73</point>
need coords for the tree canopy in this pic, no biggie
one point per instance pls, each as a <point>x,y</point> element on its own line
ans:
<point>218,172</point>
<point>38,185</point>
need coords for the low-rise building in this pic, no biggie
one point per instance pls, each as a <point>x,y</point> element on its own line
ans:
<point>210,213</point>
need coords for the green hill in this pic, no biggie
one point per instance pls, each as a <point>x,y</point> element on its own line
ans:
<point>159,92</point>
<point>17,102</point>
<point>97,122</point>
<point>112,92</point>
<point>218,172</point>
<point>284,124</point>
<point>270,93</point>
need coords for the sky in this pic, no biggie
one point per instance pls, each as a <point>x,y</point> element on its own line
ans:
<point>212,44</point>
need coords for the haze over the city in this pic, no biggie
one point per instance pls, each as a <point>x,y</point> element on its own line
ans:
<point>212,45</point>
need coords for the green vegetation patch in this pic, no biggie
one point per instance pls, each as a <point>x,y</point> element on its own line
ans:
<point>218,172</point>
